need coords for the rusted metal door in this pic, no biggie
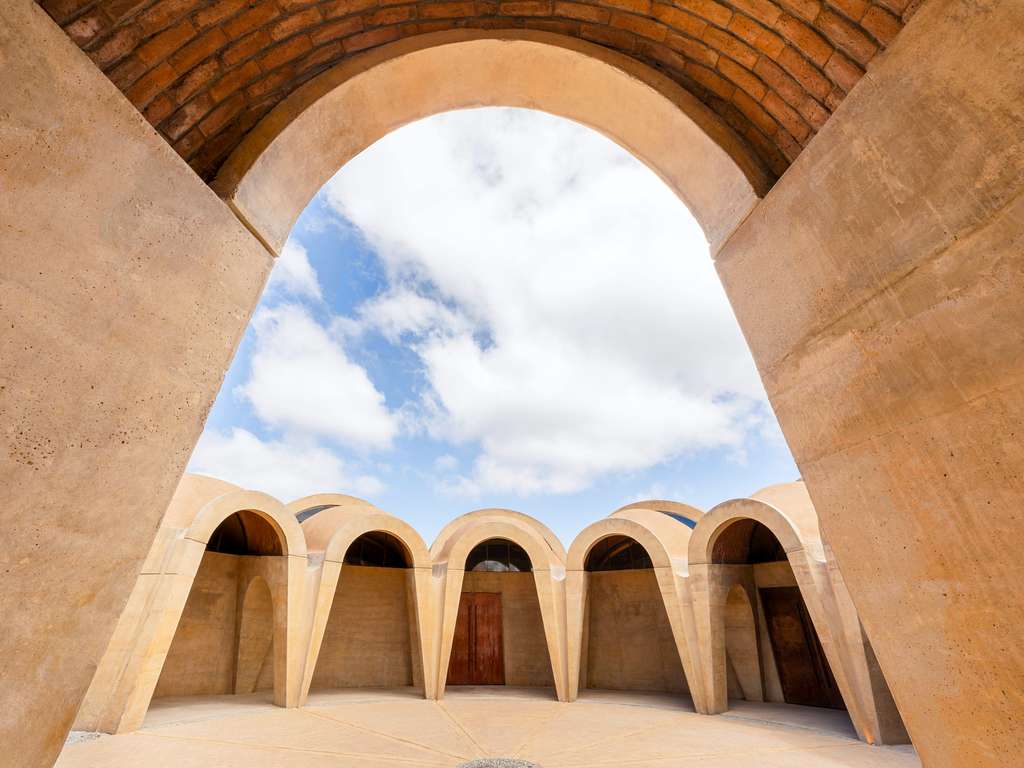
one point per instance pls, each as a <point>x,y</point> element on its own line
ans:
<point>803,669</point>
<point>477,654</point>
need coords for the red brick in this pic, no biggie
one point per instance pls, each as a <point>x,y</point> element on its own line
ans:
<point>127,71</point>
<point>786,115</point>
<point>370,39</point>
<point>283,52</point>
<point>201,48</point>
<point>742,77</point>
<point>692,49</point>
<point>271,82</point>
<point>87,27</point>
<point>633,6</point>
<point>446,10</point>
<point>714,12</point>
<point>526,8</point>
<point>814,113</point>
<point>188,116</point>
<point>806,73</point>
<point>582,12</point>
<point>765,147</point>
<point>777,79</point>
<point>843,72</point>
<point>337,30</point>
<point>614,38</point>
<point>395,14</point>
<point>220,116</point>
<point>896,6</point>
<point>730,46</point>
<point>810,43</point>
<point>807,10</point>
<point>234,80</point>
<point>679,20</point>
<point>197,79</point>
<point>218,11</point>
<point>882,24</point>
<point>163,14</point>
<point>189,143</point>
<point>764,40</point>
<point>167,42</point>
<point>711,80</point>
<point>246,22</point>
<point>319,57</point>
<point>339,8</point>
<point>764,11</point>
<point>847,36</point>
<point>245,48</point>
<point>640,25</point>
<point>61,10</point>
<point>754,112</point>
<point>297,22</point>
<point>158,109</point>
<point>151,84</point>
<point>851,9</point>
<point>835,98</point>
<point>662,54</point>
<point>790,147</point>
<point>120,44</point>
<point>558,26</point>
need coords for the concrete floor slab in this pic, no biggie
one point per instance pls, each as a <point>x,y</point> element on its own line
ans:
<point>363,728</point>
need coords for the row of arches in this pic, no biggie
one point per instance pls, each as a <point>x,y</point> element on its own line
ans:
<point>242,595</point>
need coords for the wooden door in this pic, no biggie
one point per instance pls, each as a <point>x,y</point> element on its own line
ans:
<point>477,653</point>
<point>804,672</point>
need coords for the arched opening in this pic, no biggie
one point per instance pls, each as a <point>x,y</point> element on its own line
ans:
<point>792,666</point>
<point>627,638</point>
<point>229,639</point>
<point>499,631</point>
<point>371,638</point>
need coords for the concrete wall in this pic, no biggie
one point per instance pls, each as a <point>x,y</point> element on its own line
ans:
<point>880,285</point>
<point>526,652</point>
<point>202,655</point>
<point>125,285</point>
<point>629,643</point>
<point>367,642</point>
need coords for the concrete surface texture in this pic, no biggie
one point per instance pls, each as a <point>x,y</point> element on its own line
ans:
<point>878,282</point>
<point>368,729</point>
<point>300,620</point>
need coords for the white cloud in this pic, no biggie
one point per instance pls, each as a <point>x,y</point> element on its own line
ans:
<point>285,469</point>
<point>293,274</point>
<point>302,381</point>
<point>560,298</point>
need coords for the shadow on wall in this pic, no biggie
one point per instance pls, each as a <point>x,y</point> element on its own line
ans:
<point>742,602</point>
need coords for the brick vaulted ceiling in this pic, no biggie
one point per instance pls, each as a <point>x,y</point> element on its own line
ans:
<point>203,72</point>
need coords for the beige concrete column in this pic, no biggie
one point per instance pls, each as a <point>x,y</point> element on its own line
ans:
<point>125,285</point>
<point>880,285</point>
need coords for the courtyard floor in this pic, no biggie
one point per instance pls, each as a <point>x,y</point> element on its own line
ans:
<point>371,729</point>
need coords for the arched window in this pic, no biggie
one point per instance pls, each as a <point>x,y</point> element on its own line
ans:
<point>245,533</point>
<point>378,549</point>
<point>617,553</point>
<point>500,555</point>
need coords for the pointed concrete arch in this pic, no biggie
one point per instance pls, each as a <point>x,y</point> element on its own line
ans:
<point>665,542</point>
<point>797,531</point>
<point>360,520</point>
<point>291,153</point>
<point>161,592</point>
<point>449,558</point>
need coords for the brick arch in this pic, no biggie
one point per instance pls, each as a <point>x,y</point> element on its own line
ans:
<point>204,72</point>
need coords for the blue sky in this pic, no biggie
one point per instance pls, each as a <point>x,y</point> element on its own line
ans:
<point>495,307</point>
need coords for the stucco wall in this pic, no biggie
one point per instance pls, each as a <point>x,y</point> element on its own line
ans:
<point>367,640</point>
<point>629,640</point>
<point>526,652</point>
<point>202,655</point>
<point>879,285</point>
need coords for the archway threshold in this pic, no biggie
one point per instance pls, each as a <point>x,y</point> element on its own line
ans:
<point>367,728</point>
